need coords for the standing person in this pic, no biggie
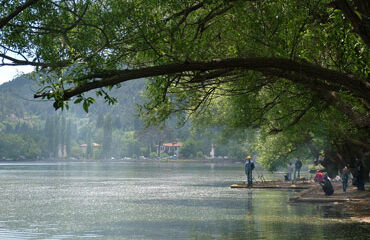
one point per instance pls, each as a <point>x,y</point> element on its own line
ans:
<point>359,169</point>
<point>297,169</point>
<point>345,177</point>
<point>290,171</point>
<point>249,166</point>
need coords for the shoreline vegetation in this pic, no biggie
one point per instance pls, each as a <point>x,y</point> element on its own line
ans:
<point>145,159</point>
<point>354,203</point>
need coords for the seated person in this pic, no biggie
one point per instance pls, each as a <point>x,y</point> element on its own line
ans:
<point>286,177</point>
<point>327,187</point>
<point>319,177</point>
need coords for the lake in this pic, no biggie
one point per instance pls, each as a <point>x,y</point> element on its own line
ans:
<point>136,200</point>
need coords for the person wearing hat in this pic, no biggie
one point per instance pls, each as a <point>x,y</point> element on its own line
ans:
<point>249,166</point>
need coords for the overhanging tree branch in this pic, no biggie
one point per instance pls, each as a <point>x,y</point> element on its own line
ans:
<point>295,120</point>
<point>4,21</point>
<point>360,23</point>
<point>18,62</point>
<point>109,78</point>
<point>330,96</point>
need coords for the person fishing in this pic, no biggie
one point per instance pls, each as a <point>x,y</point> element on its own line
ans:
<point>249,166</point>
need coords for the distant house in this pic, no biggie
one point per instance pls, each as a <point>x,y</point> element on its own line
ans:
<point>170,148</point>
<point>96,144</point>
<point>94,149</point>
<point>83,146</point>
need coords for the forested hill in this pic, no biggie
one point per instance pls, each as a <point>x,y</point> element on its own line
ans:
<point>16,100</point>
<point>37,129</point>
<point>32,129</point>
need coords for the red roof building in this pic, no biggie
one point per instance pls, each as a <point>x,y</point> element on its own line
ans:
<point>170,148</point>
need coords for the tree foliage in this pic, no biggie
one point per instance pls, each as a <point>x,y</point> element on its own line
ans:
<point>14,146</point>
<point>290,68</point>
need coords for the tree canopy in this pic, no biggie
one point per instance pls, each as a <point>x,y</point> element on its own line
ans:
<point>297,70</point>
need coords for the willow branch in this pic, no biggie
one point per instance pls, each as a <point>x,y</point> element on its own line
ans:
<point>4,21</point>
<point>311,71</point>
<point>360,24</point>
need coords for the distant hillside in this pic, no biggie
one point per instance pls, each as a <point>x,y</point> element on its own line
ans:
<point>26,122</point>
<point>32,129</point>
<point>16,99</point>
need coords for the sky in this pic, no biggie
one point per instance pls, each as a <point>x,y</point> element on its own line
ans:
<point>8,73</point>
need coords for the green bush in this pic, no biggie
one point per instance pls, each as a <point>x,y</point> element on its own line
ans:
<point>76,151</point>
<point>190,147</point>
<point>200,154</point>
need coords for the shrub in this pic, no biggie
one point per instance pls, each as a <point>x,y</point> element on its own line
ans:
<point>200,154</point>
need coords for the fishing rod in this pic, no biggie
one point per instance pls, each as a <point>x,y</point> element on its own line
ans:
<point>259,176</point>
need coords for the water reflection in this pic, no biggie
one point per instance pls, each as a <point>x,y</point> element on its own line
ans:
<point>152,201</point>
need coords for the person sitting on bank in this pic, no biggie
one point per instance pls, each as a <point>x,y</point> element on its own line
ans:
<point>249,166</point>
<point>319,177</point>
<point>327,187</point>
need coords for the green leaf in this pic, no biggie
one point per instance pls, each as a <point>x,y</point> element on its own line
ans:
<point>78,100</point>
<point>86,106</point>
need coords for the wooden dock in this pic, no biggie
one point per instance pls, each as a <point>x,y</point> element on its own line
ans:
<point>275,185</point>
<point>270,187</point>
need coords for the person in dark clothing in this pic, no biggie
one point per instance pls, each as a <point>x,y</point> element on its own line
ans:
<point>327,187</point>
<point>297,169</point>
<point>359,169</point>
<point>249,166</point>
<point>345,177</point>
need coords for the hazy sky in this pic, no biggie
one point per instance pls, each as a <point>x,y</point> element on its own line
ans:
<point>9,73</point>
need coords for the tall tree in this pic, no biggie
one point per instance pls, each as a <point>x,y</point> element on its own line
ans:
<point>89,150</point>
<point>49,134</point>
<point>107,136</point>
<point>56,136</point>
<point>62,134</point>
<point>68,137</point>
<point>280,61</point>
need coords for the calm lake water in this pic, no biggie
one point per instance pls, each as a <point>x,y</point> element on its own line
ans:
<point>154,201</point>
